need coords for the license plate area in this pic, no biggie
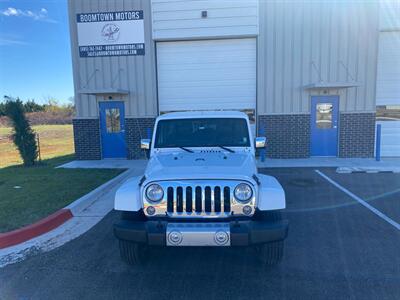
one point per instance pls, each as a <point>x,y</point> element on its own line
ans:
<point>198,234</point>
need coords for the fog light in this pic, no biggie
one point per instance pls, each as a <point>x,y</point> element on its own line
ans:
<point>247,210</point>
<point>150,210</point>
<point>221,237</point>
<point>175,237</point>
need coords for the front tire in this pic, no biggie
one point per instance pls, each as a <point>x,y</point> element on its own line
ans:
<point>271,253</point>
<point>132,253</point>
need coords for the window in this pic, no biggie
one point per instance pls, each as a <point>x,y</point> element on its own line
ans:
<point>324,115</point>
<point>113,124</point>
<point>388,113</point>
<point>202,133</point>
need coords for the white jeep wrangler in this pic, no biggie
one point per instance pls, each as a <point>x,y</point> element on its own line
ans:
<point>201,188</point>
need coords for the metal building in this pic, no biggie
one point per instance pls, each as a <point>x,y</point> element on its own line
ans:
<point>388,77</point>
<point>305,72</point>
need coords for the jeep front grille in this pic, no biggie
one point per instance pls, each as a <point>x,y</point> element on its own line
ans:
<point>198,198</point>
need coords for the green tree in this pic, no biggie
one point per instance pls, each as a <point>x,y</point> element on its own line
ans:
<point>2,109</point>
<point>23,136</point>
<point>32,106</point>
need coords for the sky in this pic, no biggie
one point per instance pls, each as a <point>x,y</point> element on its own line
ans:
<point>35,55</point>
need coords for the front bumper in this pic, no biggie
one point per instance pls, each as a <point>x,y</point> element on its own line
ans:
<point>242,233</point>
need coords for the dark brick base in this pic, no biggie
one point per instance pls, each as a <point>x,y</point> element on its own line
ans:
<point>288,136</point>
<point>357,135</point>
<point>137,128</point>
<point>87,139</point>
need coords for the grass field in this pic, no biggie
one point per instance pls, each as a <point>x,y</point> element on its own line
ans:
<point>30,194</point>
<point>55,140</point>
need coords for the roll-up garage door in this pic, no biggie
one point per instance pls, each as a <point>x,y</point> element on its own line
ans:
<point>207,75</point>
<point>388,92</point>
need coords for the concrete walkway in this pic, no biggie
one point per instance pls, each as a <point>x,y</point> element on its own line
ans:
<point>106,164</point>
<point>329,162</point>
<point>345,165</point>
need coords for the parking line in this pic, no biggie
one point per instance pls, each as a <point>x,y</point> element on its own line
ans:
<point>361,201</point>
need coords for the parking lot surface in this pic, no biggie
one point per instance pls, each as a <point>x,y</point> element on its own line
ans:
<point>336,249</point>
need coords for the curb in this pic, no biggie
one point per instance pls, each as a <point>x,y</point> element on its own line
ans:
<point>23,234</point>
<point>361,170</point>
<point>91,197</point>
<point>58,218</point>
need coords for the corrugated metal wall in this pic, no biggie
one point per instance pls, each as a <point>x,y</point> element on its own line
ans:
<point>133,73</point>
<point>388,80</point>
<point>177,19</point>
<point>335,36</point>
<point>389,15</point>
<point>295,34</point>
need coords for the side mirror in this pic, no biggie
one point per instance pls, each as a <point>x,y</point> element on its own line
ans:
<point>260,142</point>
<point>145,144</point>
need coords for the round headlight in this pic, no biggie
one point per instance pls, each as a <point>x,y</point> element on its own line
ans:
<point>243,192</point>
<point>154,193</point>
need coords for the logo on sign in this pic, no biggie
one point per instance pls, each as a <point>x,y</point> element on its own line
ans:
<point>110,33</point>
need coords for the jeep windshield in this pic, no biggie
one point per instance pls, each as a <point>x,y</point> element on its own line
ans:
<point>202,132</point>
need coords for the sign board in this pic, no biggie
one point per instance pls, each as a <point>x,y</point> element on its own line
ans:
<point>110,33</point>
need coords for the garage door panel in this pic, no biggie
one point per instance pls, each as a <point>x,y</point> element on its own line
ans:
<point>239,65</point>
<point>230,99</point>
<point>223,104</point>
<point>389,151</point>
<point>204,57</point>
<point>215,89</point>
<point>205,46</point>
<point>203,76</point>
<point>207,83</point>
<point>198,75</point>
<point>390,138</point>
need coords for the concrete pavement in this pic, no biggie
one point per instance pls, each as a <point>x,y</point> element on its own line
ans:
<point>336,249</point>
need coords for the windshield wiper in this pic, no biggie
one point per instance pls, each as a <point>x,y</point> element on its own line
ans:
<point>186,149</point>
<point>227,149</point>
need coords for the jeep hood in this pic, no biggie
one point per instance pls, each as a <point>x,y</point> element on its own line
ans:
<point>201,165</point>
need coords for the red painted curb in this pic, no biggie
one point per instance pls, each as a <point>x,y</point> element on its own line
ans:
<point>28,232</point>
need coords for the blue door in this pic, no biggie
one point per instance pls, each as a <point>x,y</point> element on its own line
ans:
<point>112,124</point>
<point>324,125</point>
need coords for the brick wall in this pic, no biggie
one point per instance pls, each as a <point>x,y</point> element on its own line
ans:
<point>87,139</point>
<point>357,135</point>
<point>288,136</point>
<point>135,129</point>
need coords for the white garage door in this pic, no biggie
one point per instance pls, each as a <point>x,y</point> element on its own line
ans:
<point>207,75</point>
<point>388,90</point>
<point>388,77</point>
<point>390,138</point>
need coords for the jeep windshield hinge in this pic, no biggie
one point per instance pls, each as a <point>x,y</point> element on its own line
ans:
<point>256,179</point>
<point>142,180</point>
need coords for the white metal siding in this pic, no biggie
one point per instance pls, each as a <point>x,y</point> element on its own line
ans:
<point>340,38</point>
<point>389,17</point>
<point>135,74</point>
<point>207,75</point>
<point>388,81</point>
<point>390,138</point>
<point>177,19</point>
